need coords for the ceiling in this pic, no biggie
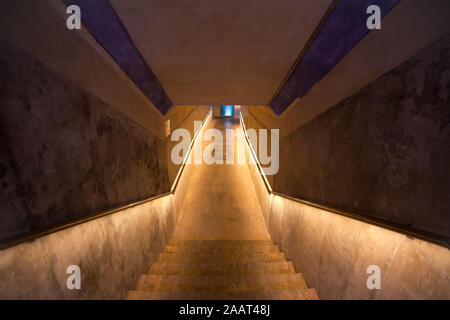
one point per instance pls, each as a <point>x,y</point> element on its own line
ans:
<point>220,51</point>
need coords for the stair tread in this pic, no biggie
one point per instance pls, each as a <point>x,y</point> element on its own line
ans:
<point>221,257</point>
<point>220,242</point>
<point>222,248</point>
<point>218,268</point>
<point>243,282</point>
<point>296,294</point>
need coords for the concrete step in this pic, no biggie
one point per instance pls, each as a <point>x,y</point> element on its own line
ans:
<point>222,249</point>
<point>221,268</point>
<point>222,283</point>
<point>297,294</point>
<point>213,243</point>
<point>221,257</point>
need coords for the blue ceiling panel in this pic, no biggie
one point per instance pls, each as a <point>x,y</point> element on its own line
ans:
<point>344,28</point>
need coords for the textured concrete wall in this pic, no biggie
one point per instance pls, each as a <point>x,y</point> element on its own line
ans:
<point>380,51</point>
<point>177,114</point>
<point>106,27</point>
<point>385,150</point>
<point>65,153</point>
<point>112,252</point>
<point>343,28</point>
<point>252,123</point>
<point>262,194</point>
<point>333,252</point>
<point>182,117</point>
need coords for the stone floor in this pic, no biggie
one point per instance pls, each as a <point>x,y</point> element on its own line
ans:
<point>221,203</point>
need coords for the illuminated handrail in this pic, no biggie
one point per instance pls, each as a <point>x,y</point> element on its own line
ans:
<point>188,153</point>
<point>32,235</point>
<point>255,157</point>
<point>406,230</point>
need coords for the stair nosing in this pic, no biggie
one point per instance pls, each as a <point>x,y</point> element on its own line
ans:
<point>310,293</point>
<point>214,282</point>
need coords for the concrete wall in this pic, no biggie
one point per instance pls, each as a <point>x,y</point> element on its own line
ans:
<point>39,28</point>
<point>383,151</point>
<point>64,152</point>
<point>184,180</point>
<point>199,49</point>
<point>77,136</point>
<point>78,59</point>
<point>333,252</point>
<point>112,252</point>
<point>407,29</point>
<point>182,117</point>
<point>405,152</point>
<point>252,122</point>
<point>384,148</point>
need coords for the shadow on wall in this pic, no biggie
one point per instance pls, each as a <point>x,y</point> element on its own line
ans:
<point>182,117</point>
<point>64,153</point>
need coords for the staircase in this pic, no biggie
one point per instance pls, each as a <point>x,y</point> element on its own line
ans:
<point>222,270</point>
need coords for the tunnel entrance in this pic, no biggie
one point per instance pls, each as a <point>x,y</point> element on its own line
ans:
<point>227,111</point>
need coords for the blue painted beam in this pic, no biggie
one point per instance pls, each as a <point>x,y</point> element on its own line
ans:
<point>344,28</point>
<point>106,27</point>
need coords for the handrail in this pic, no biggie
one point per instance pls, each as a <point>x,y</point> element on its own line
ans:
<point>396,227</point>
<point>407,230</point>
<point>188,154</point>
<point>260,169</point>
<point>32,235</point>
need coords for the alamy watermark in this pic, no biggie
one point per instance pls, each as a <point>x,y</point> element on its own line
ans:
<point>374,280</point>
<point>224,150</point>
<point>74,280</point>
<point>73,22</point>
<point>374,20</point>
